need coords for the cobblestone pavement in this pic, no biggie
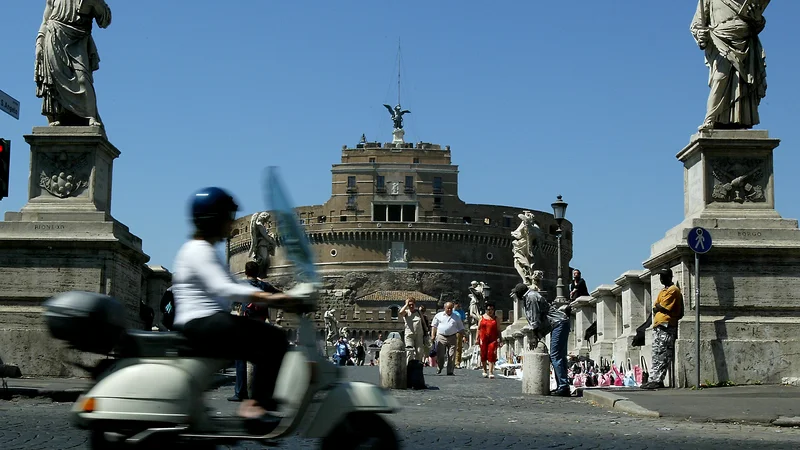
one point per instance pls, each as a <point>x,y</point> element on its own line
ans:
<point>462,411</point>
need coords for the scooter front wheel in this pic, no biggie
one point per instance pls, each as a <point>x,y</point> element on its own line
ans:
<point>361,430</point>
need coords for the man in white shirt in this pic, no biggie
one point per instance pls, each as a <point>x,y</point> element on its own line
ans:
<point>445,329</point>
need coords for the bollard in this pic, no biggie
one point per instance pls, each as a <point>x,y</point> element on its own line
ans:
<point>536,371</point>
<point>393,364</point>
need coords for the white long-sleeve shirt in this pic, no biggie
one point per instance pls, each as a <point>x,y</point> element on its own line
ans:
<point>202,285</point>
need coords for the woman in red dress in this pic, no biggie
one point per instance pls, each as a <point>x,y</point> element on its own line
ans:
<point>488,340</point>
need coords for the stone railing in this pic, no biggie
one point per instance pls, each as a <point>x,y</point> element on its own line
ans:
<point>618,309</point>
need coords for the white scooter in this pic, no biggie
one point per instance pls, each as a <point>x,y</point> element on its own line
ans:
<point>152,394</point>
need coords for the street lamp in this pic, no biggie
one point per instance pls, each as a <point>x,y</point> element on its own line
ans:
<point>559,210</point>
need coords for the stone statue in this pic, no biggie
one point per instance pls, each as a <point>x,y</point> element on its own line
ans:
<point>389,255</point>
<point>728,32</point>
<point>262,242</point>
<point>331,326</point>
<point>66,57</point>
<point>405,255</point>
<point>478,292</point>
<point>397,115</point>
<point>345,333</point>
<point>526,246</point>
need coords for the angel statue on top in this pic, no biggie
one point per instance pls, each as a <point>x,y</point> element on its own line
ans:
<point>331,326</point>
<point>262,242</point>
<point>478,293</point>
<point>397,115</point>
<point>526,246</point>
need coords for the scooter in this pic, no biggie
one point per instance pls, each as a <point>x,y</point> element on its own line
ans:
<point>152,394</point>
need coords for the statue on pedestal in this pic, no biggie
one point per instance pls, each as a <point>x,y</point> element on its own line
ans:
<point>331,326</point>
<point>66,57</point>
<point>526,246</point>
<point>262,242</point>
<point>728,32</point>
<point>477,301</point>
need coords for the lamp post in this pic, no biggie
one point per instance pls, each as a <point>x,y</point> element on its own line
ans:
<point>559,210</point>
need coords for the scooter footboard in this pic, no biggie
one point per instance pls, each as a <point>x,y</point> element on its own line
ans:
<point>346,398</point>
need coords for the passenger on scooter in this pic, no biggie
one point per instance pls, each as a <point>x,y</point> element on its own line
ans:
<point>204,290</point>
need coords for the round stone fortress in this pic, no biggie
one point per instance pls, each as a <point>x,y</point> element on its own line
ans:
<point>395,227</point>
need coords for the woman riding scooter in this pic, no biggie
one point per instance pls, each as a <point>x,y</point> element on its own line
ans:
<point>204,290</point>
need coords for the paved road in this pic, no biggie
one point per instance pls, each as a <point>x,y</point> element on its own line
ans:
<point>464,411</point>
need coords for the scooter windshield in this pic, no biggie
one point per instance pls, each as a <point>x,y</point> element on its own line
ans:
<point>291,236</point>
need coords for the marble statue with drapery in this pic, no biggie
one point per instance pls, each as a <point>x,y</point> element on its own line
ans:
<point>66,58</point>
<point>727,30</point>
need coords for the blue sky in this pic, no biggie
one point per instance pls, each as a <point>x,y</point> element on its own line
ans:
<point>588,99</point>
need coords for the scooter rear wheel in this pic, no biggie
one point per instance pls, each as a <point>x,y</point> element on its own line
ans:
<point>361,431</point>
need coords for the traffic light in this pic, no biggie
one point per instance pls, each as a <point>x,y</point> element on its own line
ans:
<point>5,164</point>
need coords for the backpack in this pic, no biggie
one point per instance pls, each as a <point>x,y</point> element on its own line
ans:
<point>168,309</point>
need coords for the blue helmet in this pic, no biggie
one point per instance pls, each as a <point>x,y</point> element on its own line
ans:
<point>211,208</point>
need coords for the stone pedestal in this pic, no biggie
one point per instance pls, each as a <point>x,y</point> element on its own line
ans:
<point>397,136</point>
<point>393,365</point>
<point>535,369</point>
<point>750,280</point>
<point>64,239</point>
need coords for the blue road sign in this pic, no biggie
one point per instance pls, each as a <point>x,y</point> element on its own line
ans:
<point>699,240</point>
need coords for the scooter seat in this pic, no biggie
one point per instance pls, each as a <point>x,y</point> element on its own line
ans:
<point>137,343</point>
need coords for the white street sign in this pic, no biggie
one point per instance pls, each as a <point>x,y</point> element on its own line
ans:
<point>9,105</point>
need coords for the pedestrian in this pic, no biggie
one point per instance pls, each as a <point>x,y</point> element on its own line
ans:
<point>459,343</point>
<point>488,340</point>
<point>342,352</point>
<point>445,329</point>
<point>577,288</point>
<point>414,335</point>
<point>240,387</point>
<point>378,344</point>
<point>361,353</point>
<point>252,310</point>
<point>426,331</point>
<point>545,319</point>
<point>667,311</point>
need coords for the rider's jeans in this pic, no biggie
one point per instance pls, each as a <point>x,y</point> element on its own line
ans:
<point>226,336</point>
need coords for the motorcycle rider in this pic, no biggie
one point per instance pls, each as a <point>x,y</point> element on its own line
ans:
<point>204,290</point>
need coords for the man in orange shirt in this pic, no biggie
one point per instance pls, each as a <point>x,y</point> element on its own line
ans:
<point>667,311</point>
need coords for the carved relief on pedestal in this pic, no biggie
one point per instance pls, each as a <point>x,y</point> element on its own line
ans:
<point>738,180</point>
<point>64,175</point>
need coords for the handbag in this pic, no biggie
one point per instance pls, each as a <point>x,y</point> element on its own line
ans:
<point>618,378</point>
<point>645,373</point>
<point>432,353</point>
<point>629,379</point>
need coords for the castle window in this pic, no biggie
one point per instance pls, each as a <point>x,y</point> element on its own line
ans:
<point>437,185</point>
<point>416,160</point>
<point>395,310</point>
<point>372,160</point>
<point>409,213</point>
<point>409,185</point>
<point>380,182</point>
<point>467,220</point>
<point>507,222</point>
<point>379,213</point>
<point>351,181</point>
<point>342,218</point>
<point>321,219</point>
<point>443,219</point>
<point>395,213</point>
